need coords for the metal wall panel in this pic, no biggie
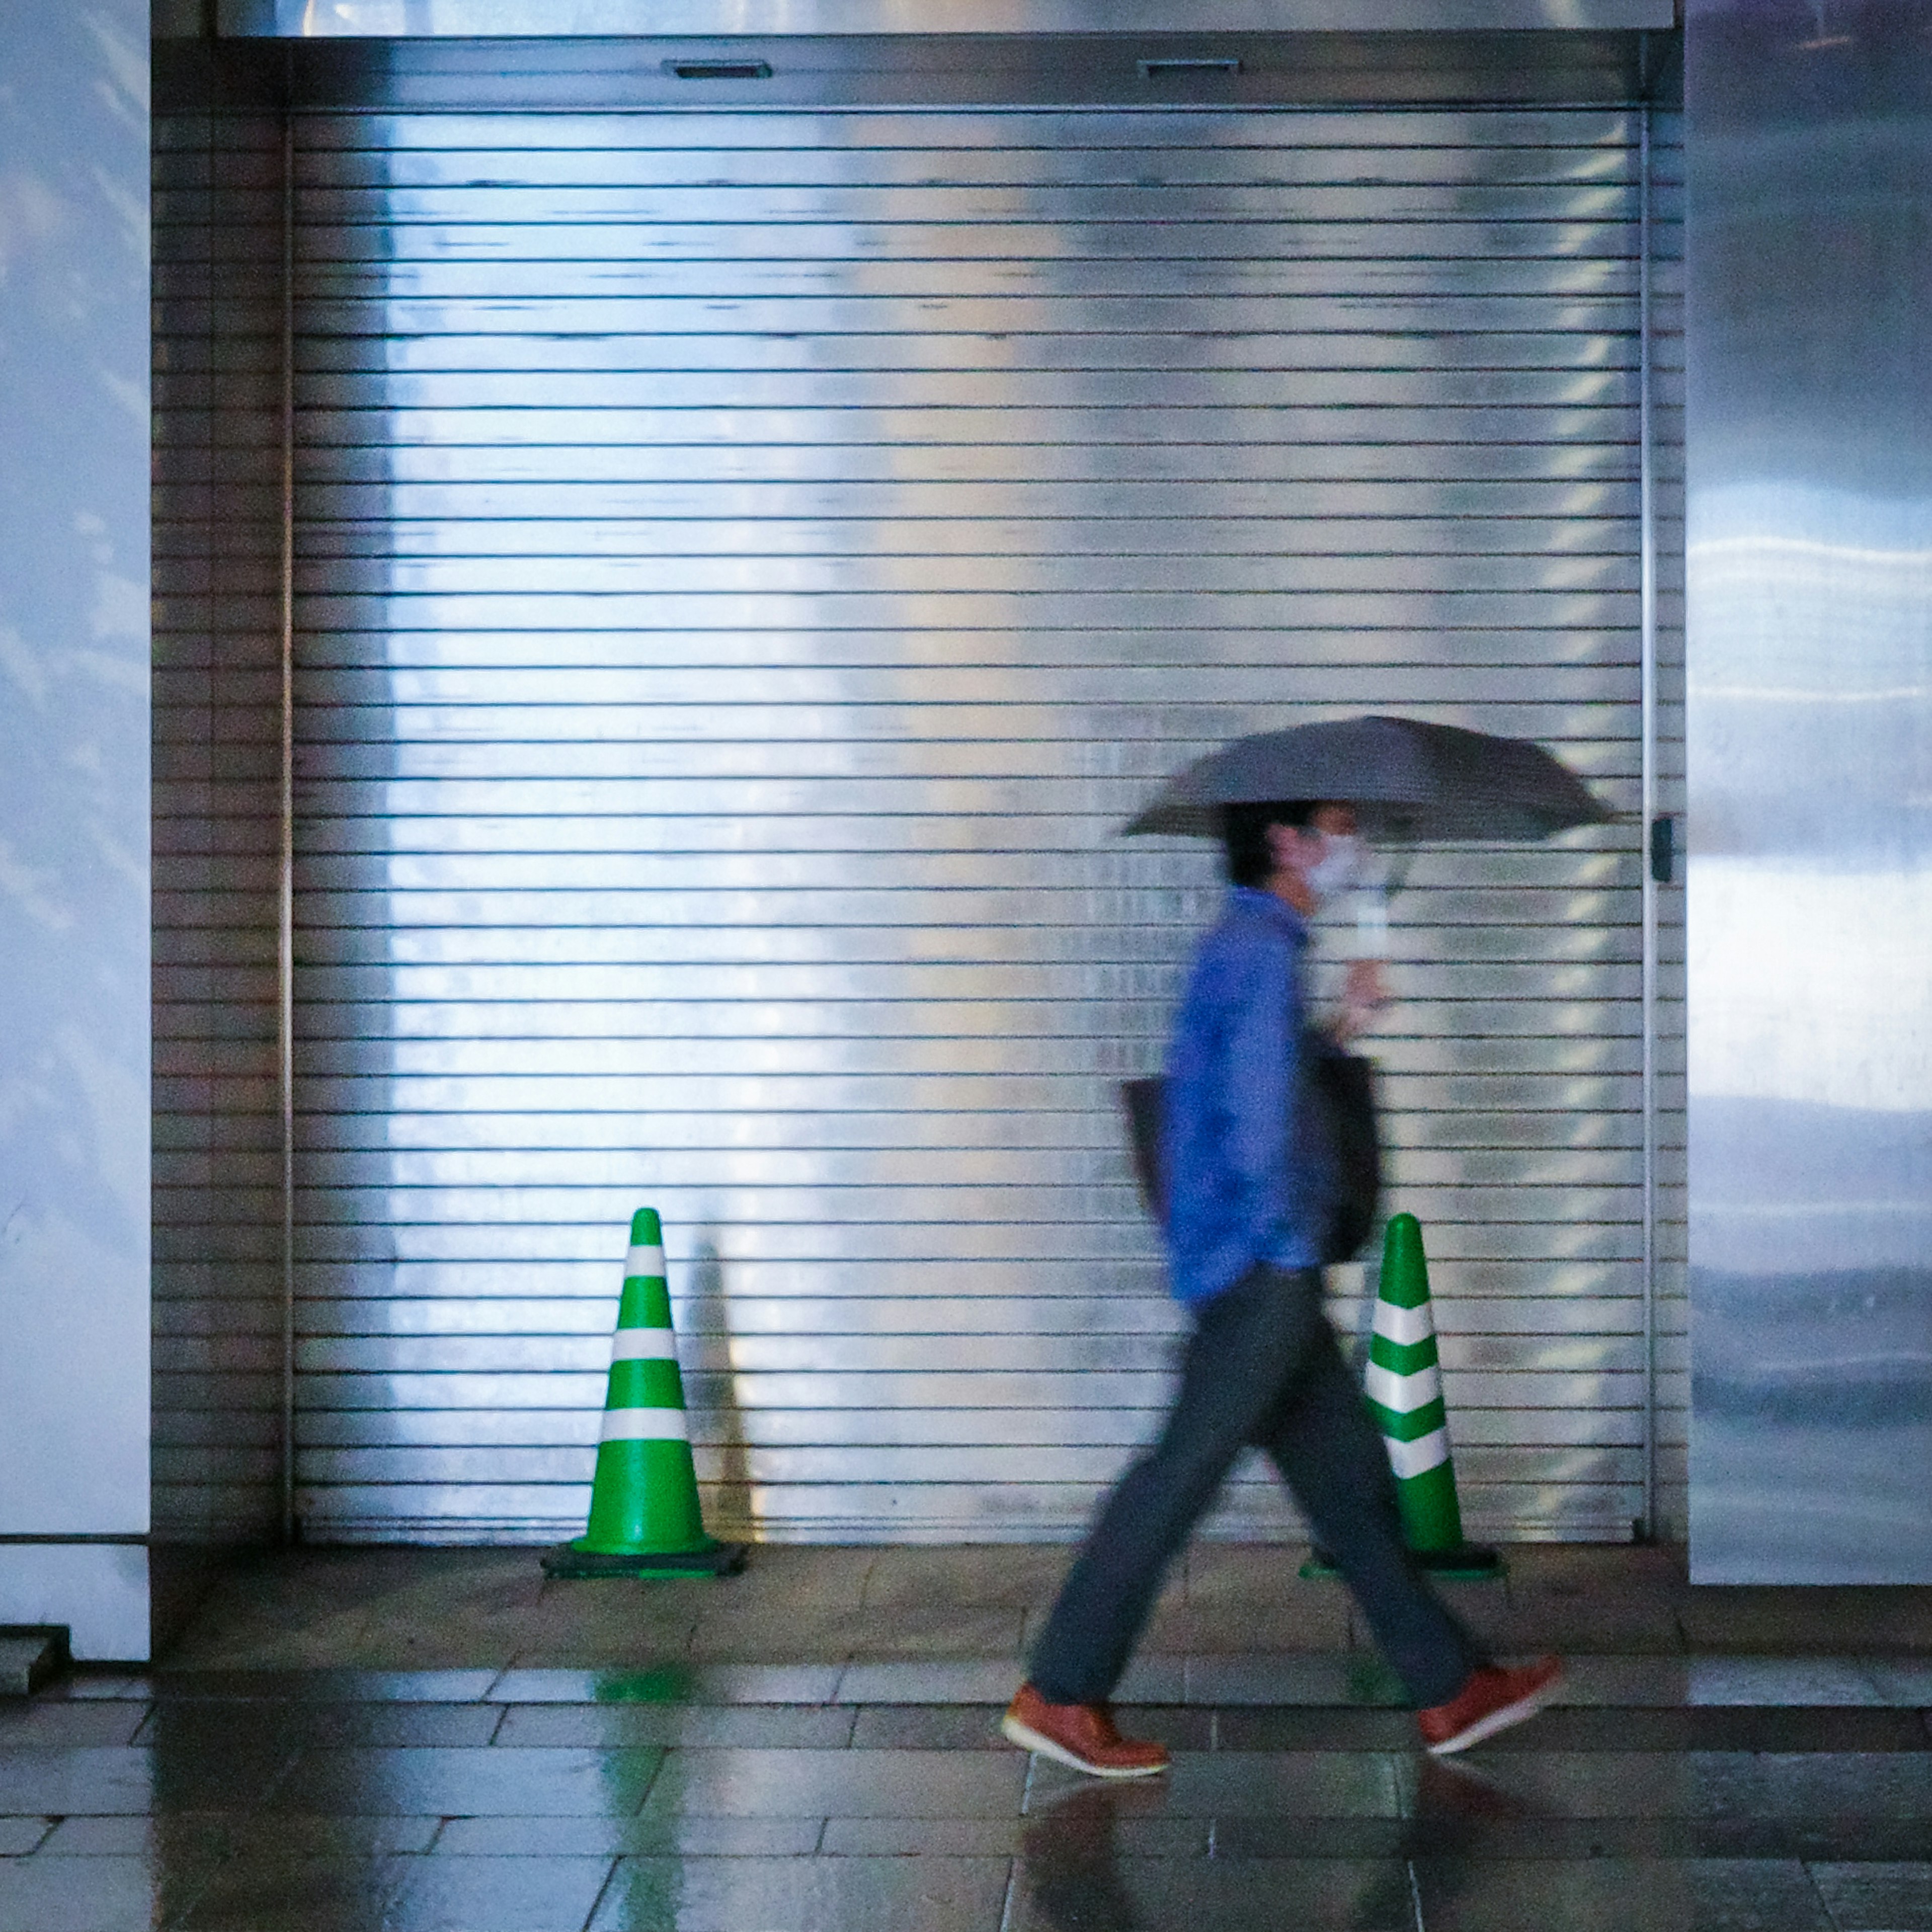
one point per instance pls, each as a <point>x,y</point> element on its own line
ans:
<point>1671,1344</point>
<point>1811,718</point>
<point>731,624</point>
<point>469,19</point>
<point>75,1256</point>
<point>921,67</point>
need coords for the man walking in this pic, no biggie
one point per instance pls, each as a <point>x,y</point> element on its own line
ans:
<point>1251,1186</point>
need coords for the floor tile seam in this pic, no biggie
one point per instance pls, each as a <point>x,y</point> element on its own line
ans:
<point>1887,1767</point>
<point>508,1734</point>
<point>1204,1697</point>
<point>1824,1904</point>
<point>50,1824</point>
<point>603,1892</point>
<point>651,1783</point>
<point>1391,1804</point>
<point>196,1891</point>
<point>1203,1849</point>
<point>1009,1895</point>
<point>261,1800</point>
<point>389,1866</point>
<point>142,1683</point>
<point>1205,1706</point>
<point>869,1569</point>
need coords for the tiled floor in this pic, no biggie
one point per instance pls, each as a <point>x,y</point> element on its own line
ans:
<point>782,1800</point>
<point>399,1609</point>
<point>288,1767</point>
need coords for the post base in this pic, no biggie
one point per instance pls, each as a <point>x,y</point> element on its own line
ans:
<point>718,1559</point>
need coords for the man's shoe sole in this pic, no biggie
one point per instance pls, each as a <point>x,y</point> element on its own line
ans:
<point>1027,1738</point>
<point>1498,1720</point>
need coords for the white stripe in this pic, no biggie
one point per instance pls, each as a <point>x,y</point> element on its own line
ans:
<point>645,1425</point>
<point>1417,1458</point>
<point>1408,1326</point>
<point>643,1344</point>
<point>1405,1394</point>
<point>648,1262</point>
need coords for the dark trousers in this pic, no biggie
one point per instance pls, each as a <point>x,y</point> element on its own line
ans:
<point>1261,1368</point>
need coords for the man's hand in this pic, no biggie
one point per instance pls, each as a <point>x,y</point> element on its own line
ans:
<point>1363,993</point>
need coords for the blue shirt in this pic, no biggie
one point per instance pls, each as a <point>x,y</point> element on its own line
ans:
<point>1245,1183</point>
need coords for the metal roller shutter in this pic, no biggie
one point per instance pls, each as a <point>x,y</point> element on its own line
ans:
<point>747,566</point>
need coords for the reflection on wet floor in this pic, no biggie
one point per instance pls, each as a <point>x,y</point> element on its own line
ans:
<point>1663,1793</point>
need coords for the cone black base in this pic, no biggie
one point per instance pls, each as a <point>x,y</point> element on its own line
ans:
<point>1471,1564</point>
<point>722,1559</point>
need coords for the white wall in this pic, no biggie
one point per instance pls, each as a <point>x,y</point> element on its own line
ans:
<point>73,821</point>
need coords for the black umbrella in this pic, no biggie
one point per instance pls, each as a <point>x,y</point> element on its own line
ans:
<point>1408,781</point>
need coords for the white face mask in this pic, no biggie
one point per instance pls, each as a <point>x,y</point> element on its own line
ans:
<point>1343,863</point>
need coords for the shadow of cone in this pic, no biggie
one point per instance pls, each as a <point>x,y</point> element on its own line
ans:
<point>644,1517</point>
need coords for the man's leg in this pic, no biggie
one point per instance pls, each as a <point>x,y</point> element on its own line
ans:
<point>1249,1343</point>
<point>1321,1438</point>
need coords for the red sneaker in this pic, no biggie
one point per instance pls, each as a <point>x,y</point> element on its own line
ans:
<point>1082,1735</point>
<point>1492,1700</point>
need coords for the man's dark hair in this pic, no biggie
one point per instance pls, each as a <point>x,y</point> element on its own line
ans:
<point>1244,835</point>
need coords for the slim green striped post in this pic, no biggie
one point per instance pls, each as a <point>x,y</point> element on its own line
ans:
<point>644,1515</point>
<point>1404,1387</point>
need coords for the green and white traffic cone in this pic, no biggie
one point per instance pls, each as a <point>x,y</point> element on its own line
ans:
<point>1403,1383</point>
<point>644,1516</point>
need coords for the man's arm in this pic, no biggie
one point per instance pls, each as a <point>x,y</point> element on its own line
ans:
<point>1264,1051</point>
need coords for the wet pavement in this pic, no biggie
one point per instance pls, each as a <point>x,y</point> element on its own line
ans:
<point>1672,1786</point>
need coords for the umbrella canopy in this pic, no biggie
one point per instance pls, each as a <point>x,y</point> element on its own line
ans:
<point>1407,781</point>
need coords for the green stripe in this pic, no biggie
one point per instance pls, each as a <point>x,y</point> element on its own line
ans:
<point>1431,1518</point>
<point>646,1231</point>
<point>645,1385</point>
<point>1418,1422</point>
<point>645,1303</point>
<point>1405,1358</point>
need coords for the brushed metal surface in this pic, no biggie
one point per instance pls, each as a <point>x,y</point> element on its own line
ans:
<point>408,157</point>
<point>532,19</point>
<point>1810,728</point>
<point>729,625</point>
<point>1649,1519</point>
<point>955,63</point>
